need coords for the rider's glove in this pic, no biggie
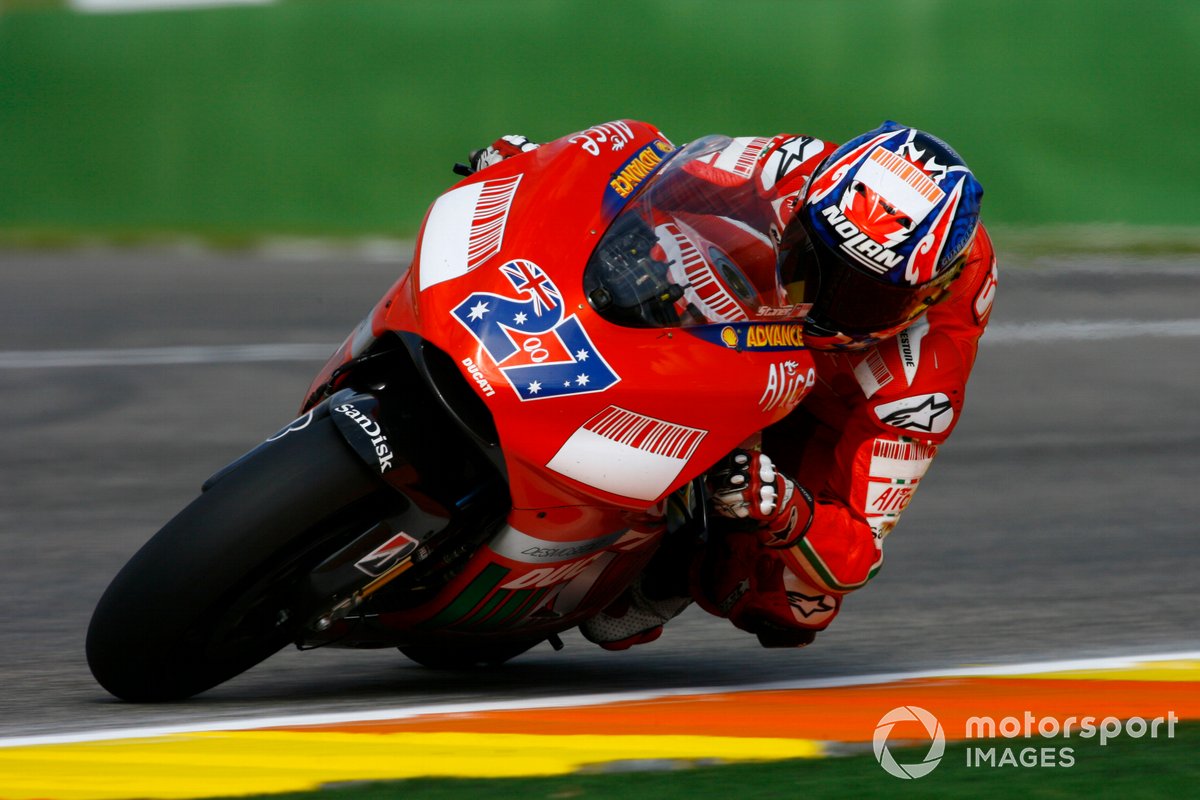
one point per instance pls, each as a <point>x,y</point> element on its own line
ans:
<point>497,151</point>
<point>746,485</point>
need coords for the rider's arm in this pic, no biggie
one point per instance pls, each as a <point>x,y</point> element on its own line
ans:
<point>864,439</point>
<point>754,179</point>
<point>497,151</point>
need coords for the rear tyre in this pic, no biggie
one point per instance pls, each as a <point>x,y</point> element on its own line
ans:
<point>215,591</point>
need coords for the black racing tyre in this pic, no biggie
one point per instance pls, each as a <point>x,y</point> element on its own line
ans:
<point>214,592</point>
<point>456,655</point>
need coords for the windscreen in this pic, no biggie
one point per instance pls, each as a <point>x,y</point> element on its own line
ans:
<point>688,249</point>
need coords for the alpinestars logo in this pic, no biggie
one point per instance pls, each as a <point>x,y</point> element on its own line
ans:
<point>932,727</point>
<point>807,606</point>
<point>787,157</point>
<point>927,413</point>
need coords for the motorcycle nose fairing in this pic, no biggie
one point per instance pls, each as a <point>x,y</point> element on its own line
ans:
<point>601,340</point>
<point>578,339</point>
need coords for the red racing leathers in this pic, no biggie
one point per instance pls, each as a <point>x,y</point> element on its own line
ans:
<point>862,439</point>
<point>859,443</point>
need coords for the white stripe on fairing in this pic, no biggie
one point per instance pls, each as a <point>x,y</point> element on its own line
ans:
<point>141,356</point>
<point>1082,330</point>
<point>570,701</point>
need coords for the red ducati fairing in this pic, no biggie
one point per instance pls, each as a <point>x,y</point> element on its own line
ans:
<point>601,409</point>
<point>497,451</point>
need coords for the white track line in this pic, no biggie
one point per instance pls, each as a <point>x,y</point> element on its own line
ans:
<point>569,701</point>
<point>1083,331</point>
<point>143,356</point>
<point>998,334</point>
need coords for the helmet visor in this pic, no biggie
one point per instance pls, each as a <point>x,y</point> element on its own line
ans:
<point>849,301</point>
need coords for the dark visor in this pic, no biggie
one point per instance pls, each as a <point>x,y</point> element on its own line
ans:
<point>852,302</point>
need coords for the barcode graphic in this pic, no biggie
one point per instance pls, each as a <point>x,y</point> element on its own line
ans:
<point>651,435</point>
<point>704,283</point>
<point>878,368</point>
<point>744,165</point>
<point>905,171</point>
<point>489,219</point>
<point>903,451</point>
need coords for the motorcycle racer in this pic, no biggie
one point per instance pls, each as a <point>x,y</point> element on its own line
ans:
<point>876,246</point>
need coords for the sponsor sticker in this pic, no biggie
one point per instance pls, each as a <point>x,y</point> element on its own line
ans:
<point>786,385</point>
<point>787,157</point>
<point>477,375</point>
<point>627,453</point>
<point>753,336</point>
<point>904,186</point>
<point>377,440</point>
<point>543,577</point>
<point>541,351</point>
<point>896,469</point>
<point>771,337</point>
<point>833,174</point>
<point>861,247</point>
<point>926,413</point>
<point>633,173</point>
<point>872,373</point>
<point>465,228</point>
<point>908,342</point>
<point>809,605</point>
<point>520,546</point>
<point>387,555</point>
<point>610,135</point>
<point>796,311</point>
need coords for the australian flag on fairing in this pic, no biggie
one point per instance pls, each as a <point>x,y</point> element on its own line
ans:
<point>541,352</point>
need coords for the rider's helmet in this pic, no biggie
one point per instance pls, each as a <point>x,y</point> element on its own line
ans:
<point>890,217</point>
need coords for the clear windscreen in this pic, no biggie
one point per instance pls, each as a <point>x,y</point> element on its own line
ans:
<point>688,249</point>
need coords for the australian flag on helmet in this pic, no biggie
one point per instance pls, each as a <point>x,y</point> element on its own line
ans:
<point>897,203</point>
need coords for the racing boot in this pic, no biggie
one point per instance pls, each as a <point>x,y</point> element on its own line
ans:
<point>633,618</point>
<point>657,596</point>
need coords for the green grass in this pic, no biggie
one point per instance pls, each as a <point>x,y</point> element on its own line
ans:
<point>1126,768</point>
<point>343,117</point>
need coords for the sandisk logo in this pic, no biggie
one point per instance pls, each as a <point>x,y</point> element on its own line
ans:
<point>372,429</point>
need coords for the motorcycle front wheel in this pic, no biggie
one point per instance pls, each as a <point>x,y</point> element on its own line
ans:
<point>215,591</point>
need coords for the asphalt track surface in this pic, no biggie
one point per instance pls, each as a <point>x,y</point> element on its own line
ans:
<point>1059,522</point>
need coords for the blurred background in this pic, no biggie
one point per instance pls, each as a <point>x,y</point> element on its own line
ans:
<point>342,117</point>
<point>1060,521</point>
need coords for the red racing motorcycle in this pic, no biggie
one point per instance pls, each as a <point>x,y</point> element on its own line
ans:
<point>499,448</point>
